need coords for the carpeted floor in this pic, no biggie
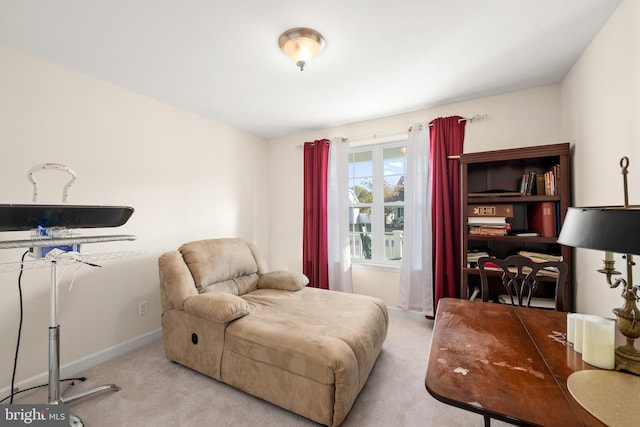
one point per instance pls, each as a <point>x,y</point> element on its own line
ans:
<point>156,392</point>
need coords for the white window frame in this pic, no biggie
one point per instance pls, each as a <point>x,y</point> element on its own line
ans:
<point>377,207</point>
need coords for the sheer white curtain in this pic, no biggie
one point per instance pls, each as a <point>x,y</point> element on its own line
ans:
<point>416,271</point>
<point>338,216</point>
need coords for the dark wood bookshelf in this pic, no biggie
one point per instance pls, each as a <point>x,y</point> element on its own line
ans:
<point>518,199</point>
<point>515,239</point>
<point>502,170</point>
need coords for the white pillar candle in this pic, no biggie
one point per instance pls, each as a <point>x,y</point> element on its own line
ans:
<point>578,332</point>
<point>598,345</point>
<point>571,327</point>
<point>608,256</point>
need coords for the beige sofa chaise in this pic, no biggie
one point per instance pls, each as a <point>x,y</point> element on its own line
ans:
<point>307,350</point>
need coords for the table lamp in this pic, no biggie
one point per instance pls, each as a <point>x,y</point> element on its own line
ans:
<point>613,229</point>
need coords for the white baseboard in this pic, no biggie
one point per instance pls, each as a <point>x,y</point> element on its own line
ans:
<point>80,365</point>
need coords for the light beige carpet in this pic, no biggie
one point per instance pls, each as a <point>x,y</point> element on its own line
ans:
<point>156,392</point>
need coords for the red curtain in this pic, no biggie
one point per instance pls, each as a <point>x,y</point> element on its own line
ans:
<point>315,260</point>
<point>447,138</point>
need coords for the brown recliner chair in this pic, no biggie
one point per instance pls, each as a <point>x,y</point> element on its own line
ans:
<point>307,350</point>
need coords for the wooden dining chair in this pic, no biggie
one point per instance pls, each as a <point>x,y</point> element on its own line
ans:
<point>521,276</point>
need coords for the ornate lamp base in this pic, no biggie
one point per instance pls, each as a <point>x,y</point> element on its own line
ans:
<point>628,356</point>
<point>628,359</point>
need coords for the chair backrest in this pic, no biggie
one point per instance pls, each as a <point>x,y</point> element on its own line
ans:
<point>520,277</point>
<point>223,265</point>
<point>214,265</point>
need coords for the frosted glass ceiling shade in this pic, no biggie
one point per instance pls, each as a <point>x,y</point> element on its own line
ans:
<point>301,45</point>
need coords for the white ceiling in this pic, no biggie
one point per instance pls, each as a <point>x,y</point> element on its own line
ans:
<point>221,59</point>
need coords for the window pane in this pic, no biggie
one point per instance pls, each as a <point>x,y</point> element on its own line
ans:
<point>361,176</point>
<point>393,232</point>
<point>361,190</point>
<point>393,245</point>
<point>360,232</point>
<point>361,164</point>
<point>394,163</point>
<point>393,218</point>
<point>394,188</point>
<point>394,160</point>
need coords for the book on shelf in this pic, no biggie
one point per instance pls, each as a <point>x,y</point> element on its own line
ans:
<point>488,226</point>
<point>549,185</point>
<point>495,193</point>
<point>497,210</point>
<point>540,256</point>
<point>489,230</point>
<point>540,186</point>
<point>528,184</point>
<point>550,181</point>
<point>477,253</point>
<point>486,220</point>
<point>531,184</point>
<point>474,256</point>
<point>492,266</point>
<point>555,175</point>
<point>548,272</point>
<point>558,221</point>
<point>542,218</point>
<point>524,233</point>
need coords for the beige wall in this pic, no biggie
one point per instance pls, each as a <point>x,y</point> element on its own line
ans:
<point>186,176</point>
<point>530,117</point>
<point>600,110</point>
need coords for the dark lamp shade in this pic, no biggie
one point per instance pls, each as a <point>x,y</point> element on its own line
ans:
<point>610,229</point>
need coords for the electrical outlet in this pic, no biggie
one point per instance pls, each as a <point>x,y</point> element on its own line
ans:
<point>143,308</point>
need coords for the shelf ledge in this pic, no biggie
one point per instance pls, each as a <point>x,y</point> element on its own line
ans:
<point>61,241</point>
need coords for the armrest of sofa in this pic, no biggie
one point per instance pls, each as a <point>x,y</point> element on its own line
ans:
<point>219,307</point>
<point>176,282</point>
<point>283,280</point>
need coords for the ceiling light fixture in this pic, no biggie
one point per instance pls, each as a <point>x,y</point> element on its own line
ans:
<point>301,45</point>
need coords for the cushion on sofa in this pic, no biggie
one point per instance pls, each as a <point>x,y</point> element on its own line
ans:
<point>236,286</point>
<point>283,280</point>
<point>219,307</point>
<point>219,260</point>
<point>316,345</point>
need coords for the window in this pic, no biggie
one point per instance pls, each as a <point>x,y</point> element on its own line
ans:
<point>376,195</point>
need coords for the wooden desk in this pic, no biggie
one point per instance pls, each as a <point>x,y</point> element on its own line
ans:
<point>508,363</point>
